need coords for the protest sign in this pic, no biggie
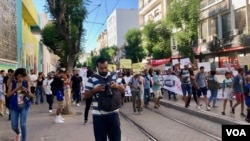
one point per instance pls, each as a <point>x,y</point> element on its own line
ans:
<point>125,63</point>
<point>185,61</point>
<point>175,61</point>
<point>176,88</point>
<point>137,67</point>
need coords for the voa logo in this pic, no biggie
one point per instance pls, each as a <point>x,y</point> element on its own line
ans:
<point>236,132</point>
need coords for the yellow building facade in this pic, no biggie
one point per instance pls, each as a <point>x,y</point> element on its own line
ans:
<point>29,49</point>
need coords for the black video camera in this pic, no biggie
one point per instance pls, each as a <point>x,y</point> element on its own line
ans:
<point>108,90</point>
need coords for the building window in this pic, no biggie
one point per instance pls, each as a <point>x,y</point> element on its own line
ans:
<point>240,18</point>
<point>156,12</point>
<point>204,30</point>
<point>150,17</point>
<point>213,26</point>
<point>226,25</point>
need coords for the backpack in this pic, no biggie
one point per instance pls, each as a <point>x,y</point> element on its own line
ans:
<point>110,99</point>
<point>212,84</point>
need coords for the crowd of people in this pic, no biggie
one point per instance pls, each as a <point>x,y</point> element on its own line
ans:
<point>107,91</point>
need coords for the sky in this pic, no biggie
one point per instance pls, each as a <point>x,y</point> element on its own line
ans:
<point>99,10</point>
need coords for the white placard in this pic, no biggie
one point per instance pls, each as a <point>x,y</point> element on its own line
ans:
<point>206,65</point>
<point>175,61</point>
<point>185,61</point>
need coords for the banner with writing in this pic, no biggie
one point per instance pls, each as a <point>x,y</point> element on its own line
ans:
<point>125,63</point>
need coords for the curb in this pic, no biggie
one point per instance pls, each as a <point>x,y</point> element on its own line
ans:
<point>217,118</point>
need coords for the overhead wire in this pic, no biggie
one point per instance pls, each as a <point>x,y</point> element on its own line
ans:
<point>117,2</point>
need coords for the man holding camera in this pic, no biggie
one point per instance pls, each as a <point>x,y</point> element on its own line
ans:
<point>106,102</point>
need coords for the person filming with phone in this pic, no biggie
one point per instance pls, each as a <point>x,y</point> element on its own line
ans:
<point>106,95</point>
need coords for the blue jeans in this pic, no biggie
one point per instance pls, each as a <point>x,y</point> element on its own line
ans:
<point>39,94</point>
<point>22,113</point>
<point>186,89</point>
<point>213,96</point>
<point>107,125</point>
<point>76,95</point>
<point>146,96</point>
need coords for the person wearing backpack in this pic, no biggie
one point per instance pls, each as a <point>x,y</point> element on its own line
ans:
<point>106,95</point>
<point>19,94</point>
<point>213,86</point>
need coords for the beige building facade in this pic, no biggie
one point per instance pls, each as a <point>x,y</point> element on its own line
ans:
<point>102,41</point>
<point>224,32</point>
<point>152,10</point>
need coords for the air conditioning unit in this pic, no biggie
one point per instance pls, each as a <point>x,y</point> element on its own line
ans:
<point>235,31</point>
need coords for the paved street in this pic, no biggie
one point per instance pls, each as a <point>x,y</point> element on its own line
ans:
<point>41,126</point>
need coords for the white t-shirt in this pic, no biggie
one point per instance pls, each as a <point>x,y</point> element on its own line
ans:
<point>47,83</point>
<point>33,78</point>
<point>127,89</point>
<point>228,85</point>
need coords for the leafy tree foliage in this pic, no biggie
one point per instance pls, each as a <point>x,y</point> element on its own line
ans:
<point>68,17</point>
<point>133,48</point>
<point>157,40</point>
<point>183,16</point>
<point>109,53</point>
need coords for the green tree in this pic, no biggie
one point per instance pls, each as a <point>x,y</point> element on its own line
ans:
<point>133,48</point>
<point>109,53</point>
<point>91,62</point>
<point>183,15</point>
<point>68,16</point>
<point>157,40</point>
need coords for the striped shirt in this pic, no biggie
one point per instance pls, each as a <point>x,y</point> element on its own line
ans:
<point>90,85</point>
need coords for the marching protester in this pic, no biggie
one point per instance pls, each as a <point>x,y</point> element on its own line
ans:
<point>194,88</point>
<point>247,97</point>
<point>202,87</point>
<point>213,85</point>
<point>238,83</point>
<point>157,89</point>
<point>186,84</point>
<point>127,77</point>
<point>2,92</point>
<point>100,86</point>
<point>48,92</point>
<point>76,87</point>
<point>227,92</point>
<point>19,94</point>
<point>7,79</point>
<point>151,74</point>
<point>88,101</point>
<point>168,81</point>
<point>121,81</point>
<point>39,88</point>
<point>32,81</point>
<point>57,87</point>
<point>134,84</point>
<point>148,83</point>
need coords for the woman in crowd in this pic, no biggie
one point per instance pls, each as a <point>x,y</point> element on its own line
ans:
<point>19,102</point>
<point>48,91</point>
<point>39,88</point>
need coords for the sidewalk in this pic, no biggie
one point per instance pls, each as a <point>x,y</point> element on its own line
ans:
<point>41,126</point>
<point>214,114</point>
